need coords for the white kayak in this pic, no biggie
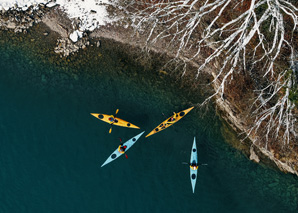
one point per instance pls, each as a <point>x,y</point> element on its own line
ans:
<point>117,154</point>
<point>193,159</point>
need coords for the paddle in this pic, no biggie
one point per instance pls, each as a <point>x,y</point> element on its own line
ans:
<point>113,121</point>
<point>164,116</point>
<point>203,164</point>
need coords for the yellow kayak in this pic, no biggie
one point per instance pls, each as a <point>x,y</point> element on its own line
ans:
<point>113,120</point>
<point>170,121</point>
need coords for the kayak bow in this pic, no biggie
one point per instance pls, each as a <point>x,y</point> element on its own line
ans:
<point>117,154</point>
<point>116,121</point>
<point>167,123</point>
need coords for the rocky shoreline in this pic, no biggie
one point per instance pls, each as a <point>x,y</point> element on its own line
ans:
<point>19,22</point>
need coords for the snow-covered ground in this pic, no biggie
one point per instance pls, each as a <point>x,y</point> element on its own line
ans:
<point>91,13</point>
<point>22,4</point>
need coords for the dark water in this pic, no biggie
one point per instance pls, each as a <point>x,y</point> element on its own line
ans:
<point>52,148</point>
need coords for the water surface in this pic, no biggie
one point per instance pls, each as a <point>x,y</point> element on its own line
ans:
<point>52,148</point>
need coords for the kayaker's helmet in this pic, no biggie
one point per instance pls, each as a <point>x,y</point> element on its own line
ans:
<point>111,118</point>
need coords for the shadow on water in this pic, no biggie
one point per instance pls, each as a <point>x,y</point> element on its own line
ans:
<point>52,148</point>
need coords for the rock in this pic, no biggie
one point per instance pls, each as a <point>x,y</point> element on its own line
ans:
<point>11,25</point>
<point>74,36</point>
<point>51,4</point>
<point>66,52</point>
<point>253,156</point>
<point>18,30</point>
<point>75,76</point>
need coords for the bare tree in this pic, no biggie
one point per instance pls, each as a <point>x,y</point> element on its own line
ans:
<point>247,35</point>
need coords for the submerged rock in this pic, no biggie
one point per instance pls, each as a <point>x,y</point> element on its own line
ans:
<point>43,79</point>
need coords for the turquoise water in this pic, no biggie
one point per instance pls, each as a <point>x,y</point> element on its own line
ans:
<point>52,148</point>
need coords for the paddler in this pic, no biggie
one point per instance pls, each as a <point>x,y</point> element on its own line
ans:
<point>193,166</point>
<point>122,148</point>
<point>112,119</point>
<point>173,118</point>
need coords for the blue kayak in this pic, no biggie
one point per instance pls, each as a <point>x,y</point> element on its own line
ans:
<point>116,154</point>
<point>193,159</point>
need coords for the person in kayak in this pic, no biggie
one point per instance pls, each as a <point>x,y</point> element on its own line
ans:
<point>173,118</point>
<point>122,148</point>
<point>112,119</point>
<point>193,166</point>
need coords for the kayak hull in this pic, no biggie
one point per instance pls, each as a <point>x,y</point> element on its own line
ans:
<point>118,121</point>
<point>166,123</point>
<point>116,154</point>
<point>193,159</point>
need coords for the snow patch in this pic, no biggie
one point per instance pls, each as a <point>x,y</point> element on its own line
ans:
<point>91,13</point>
<point>51,4</point>
<point>22,4</point>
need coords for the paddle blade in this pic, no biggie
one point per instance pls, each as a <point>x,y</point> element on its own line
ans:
<point>126,156</point>
<point>116,111</point>
<point>110,130</point>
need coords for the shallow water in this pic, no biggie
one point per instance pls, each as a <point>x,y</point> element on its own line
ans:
<point>52,148</point>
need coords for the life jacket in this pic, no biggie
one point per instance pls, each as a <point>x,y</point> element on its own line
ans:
<point>194,167</point>
<point>111,118</point>
<point>121,150</point>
